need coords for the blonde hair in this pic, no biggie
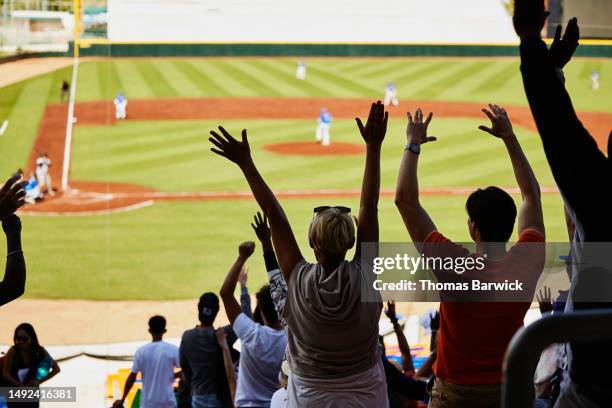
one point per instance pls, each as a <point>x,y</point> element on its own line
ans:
<point>332,232</point>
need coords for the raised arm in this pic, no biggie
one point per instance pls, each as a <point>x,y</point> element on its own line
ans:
<point>232,307</point>
<point>13,284</point>
<point>282,235</point>
<point>577,164</point>
<point>402,342</point>
<point>373,134</point>
<point>530,214</point>
<point>245,298</point>
<point>230,374</point>
<point>417,220</point>
<point>278,286</point>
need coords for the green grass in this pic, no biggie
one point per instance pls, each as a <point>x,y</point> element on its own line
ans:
<point>471,80</point>
<point>175,156</point>
<point>179,249</point>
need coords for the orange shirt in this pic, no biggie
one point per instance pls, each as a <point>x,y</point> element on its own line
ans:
<point>473,336</point>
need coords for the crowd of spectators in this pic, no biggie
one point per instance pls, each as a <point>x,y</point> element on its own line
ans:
<point>311,340</point>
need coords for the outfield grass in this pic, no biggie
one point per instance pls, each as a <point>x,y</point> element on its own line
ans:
<point>470,80</point>
<point>177,250</point>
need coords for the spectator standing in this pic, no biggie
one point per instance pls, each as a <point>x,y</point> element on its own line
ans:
<point>333,336</point>
<point>156,363</point>
<point>262,346</point>
<point>468,367</point>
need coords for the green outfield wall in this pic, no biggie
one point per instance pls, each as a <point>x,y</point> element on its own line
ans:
<point>601,49</point>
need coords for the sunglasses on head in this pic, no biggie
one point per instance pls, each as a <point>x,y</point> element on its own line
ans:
<point>322,208</point>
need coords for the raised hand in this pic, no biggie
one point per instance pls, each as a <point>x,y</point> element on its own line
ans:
<point>246,249</point>
<point>529,18</point>
<point>243,277</point>
<point>374,131</point>
<point>390,311</point>
<point>262,230</point>
<point>501,126</point>
<point>435,321</point>
<point>12,196</point>
<point>11,225</point>
<point>417,128</point>
<point>227,146</point>
<point>562,48</point>
<point>544,300</point>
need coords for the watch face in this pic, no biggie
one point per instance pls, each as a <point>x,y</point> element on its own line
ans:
<point>415,148</point>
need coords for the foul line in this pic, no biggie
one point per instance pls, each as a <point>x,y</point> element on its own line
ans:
<point>127,208</point>
<point>4,126</point>
<point>69,123</point>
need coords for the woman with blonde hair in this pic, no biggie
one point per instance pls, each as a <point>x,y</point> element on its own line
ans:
<point>332,335</point>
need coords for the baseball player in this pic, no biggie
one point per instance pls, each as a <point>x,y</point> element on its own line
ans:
<point>322,134</point>
<point>301,70</point>
<point>120,106</point>
<point>32,190</point>
<point>391,95</point>
<point>594,79</point>
<point>65,90</point>
<point>43,162</point>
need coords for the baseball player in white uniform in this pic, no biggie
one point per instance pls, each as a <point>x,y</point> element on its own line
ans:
<point>43,162</point>
<point>391,95</point>
<point>300,73</point>
<point>322,133</point>
<point>594,79</point>
<point>120,106</point>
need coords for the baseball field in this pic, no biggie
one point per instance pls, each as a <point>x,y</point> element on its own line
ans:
<point>154,215</point>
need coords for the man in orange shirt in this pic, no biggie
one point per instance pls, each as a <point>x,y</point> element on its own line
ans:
<point>474,335</point>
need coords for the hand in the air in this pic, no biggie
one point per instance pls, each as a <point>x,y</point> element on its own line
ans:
<point>529,18</point>
<point>501,126</point>
<point>544,300</point>
<point>390,311</point>
<point>374,131</point>
<point>262,230</point>
<point>12,196</point>
<point>417,128</point>
<point>562,48</point>
<point>227,146</point>
<point>246,249</point>
<point>221,338</point>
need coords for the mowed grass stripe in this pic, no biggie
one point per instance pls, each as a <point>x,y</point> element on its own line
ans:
<point>182,84</point>
<point>88,82</point>
<point>135,86</point>
<point>155,79</point>
<point>8,97</point>
<point>232,85</point>
<point>380,69</point>
<point>496,80</point>
<point>308,87</point>
<point>407,82</point>
<point>453,79</point>
<point>199,78</point>
<point>360,88</point>
<point>108,79</point>
<point>272,81</point>
<point>247,78</point>
<point>329,86</point>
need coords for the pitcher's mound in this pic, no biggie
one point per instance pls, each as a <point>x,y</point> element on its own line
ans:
<point>316,149</point>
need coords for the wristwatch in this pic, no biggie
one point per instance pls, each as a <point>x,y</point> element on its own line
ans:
<point>414,148</point>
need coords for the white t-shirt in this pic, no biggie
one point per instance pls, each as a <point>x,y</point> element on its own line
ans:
<point>279,399</point>
<point>261,356</point>
<point>156,361</point>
